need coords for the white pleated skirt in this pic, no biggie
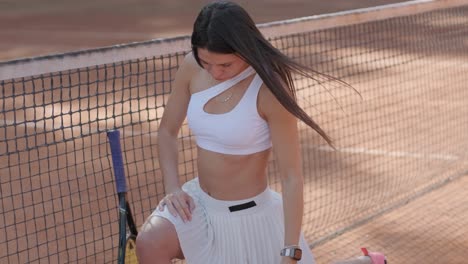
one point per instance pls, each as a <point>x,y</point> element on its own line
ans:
<point>233,232</point>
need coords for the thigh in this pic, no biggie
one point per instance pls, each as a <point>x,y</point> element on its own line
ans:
<point>158,236</point>
<point>193,238</point>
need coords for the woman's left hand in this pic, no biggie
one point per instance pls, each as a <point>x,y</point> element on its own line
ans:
<point>288,260</point>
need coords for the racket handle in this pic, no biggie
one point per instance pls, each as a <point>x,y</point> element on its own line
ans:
<point>117,160</point>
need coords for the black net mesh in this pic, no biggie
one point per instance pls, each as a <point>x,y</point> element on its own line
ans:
<point>402,140</point>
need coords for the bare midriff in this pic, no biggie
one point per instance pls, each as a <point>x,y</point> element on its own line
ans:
<point>232,177</point>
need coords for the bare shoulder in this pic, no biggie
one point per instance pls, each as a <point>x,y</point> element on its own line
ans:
<point>268,105</point>
<point>176,107</point>
<point>189,67</point>
<point>190,61</point>
<point>265,97</point>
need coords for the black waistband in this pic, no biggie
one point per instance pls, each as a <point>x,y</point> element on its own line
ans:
<point>243,206</point>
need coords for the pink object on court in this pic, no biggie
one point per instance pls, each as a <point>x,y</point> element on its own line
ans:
<point>376,257</point>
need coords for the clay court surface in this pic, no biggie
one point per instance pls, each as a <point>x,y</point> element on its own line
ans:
<point>32,28</point>
<point>375,201</point>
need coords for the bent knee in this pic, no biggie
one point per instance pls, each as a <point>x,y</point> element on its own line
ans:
<point>158,239</point>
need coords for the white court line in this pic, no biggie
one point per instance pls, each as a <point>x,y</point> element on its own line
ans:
<point>32,124</point>
<point>398,154</point>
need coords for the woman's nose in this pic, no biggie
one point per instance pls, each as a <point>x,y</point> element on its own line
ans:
<point>216,73</point>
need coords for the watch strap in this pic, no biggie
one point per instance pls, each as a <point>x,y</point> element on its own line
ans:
<point>293,252</point>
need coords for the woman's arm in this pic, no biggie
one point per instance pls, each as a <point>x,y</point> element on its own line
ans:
<point>285,139</point>
<point>172,119</point>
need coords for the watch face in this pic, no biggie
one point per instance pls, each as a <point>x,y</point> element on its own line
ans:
<point>297,254</point>
<point>294,253</point>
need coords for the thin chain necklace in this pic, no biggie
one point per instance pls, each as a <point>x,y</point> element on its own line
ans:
<point>227,98</point>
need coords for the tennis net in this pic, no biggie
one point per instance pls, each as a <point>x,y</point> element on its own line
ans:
<point>404,138</point>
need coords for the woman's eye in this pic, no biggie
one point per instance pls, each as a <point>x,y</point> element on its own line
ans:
<point>226,65</point>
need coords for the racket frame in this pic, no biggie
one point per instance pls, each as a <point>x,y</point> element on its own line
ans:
<point>125,213</point>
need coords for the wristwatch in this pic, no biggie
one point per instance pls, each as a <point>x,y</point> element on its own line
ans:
<point>293,252</point>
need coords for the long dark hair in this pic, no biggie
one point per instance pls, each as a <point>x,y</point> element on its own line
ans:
<point>225,27</point>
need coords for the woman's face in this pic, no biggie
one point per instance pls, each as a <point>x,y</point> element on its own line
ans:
<point>221,66</point>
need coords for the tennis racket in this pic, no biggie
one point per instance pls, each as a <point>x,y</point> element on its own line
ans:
<point>127,228</point>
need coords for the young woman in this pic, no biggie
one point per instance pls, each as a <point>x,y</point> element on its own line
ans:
<point>237,93</point>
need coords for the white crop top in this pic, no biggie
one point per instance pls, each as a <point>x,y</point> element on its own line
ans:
<point>240,131</point>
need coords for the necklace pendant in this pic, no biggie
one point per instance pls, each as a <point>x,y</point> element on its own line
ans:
<point>227,98</point>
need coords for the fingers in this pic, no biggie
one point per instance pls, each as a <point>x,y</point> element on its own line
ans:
<point>178,204</point>
<point>171,208</point>
<point>191,203</point>
<point>183,211</point>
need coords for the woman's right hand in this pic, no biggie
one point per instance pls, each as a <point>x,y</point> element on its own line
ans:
<point>179,203</point>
